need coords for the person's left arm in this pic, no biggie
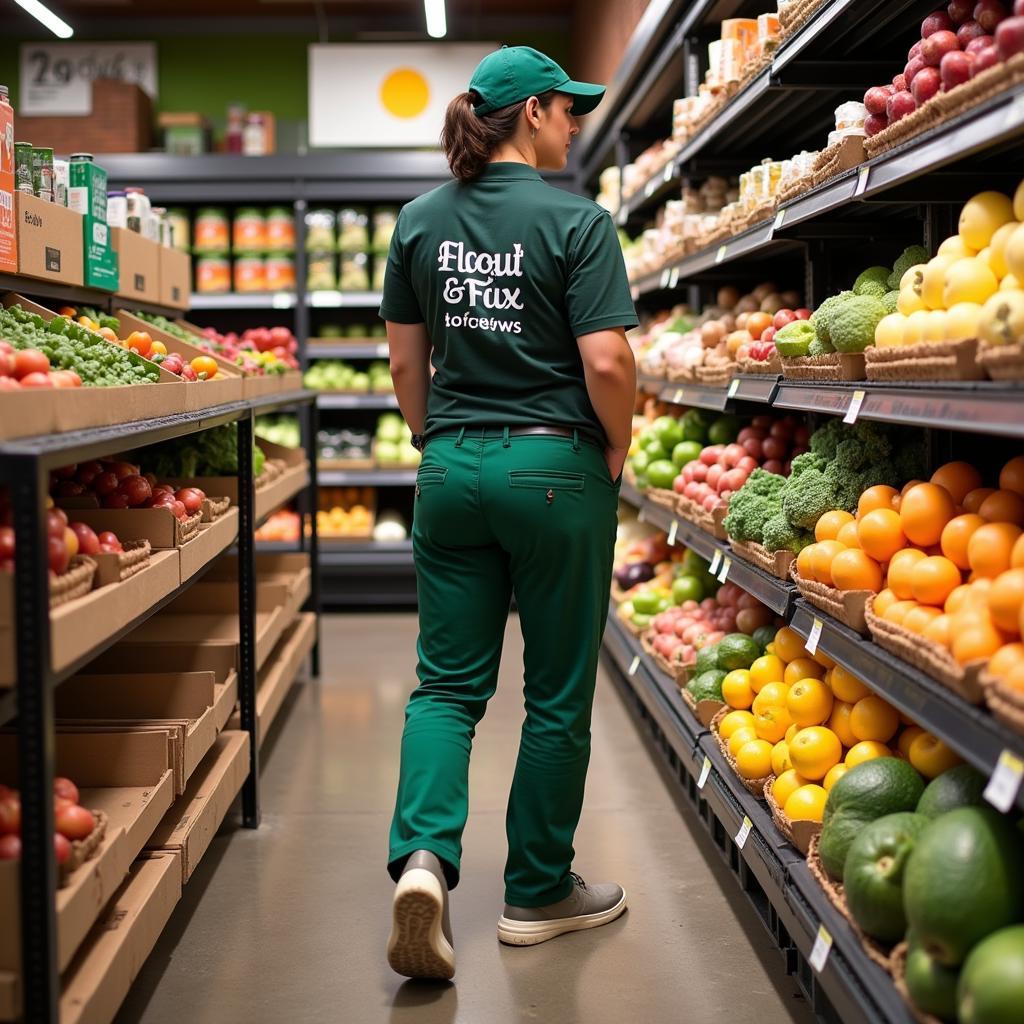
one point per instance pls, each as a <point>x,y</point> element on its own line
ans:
<point>409,346</point>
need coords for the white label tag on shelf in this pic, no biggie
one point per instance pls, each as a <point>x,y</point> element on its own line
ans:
<point>862,180</point>
<point>734,386</point>
<point>1002,788</point>
<point>716,562</point>
<point>856,401</point>
<point>666,276</point>
<point>678,397</point>
<point>720,255</point>
<point>634,293</point>
<point>282,300</point>
<point>779,218</point>
<point>723,576</point>
<point>813,637</point>
<point>670,171</point>
<point>650,188</point>
<point>1015,112</point>
<point>383,351</point>
<point>634,665</point>
<point>673,277</point>
<point>745,829</point>
<point>672,531</point>
<point>623,214</point>
<point>705,771</point>
<point>820,951</point>
<point>642,515</point>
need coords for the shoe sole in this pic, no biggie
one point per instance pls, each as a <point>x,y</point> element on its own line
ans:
<point>418,947</point>
<point>530,933</point>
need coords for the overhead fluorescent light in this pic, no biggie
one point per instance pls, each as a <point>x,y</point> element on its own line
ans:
<point>56,25</point>
<point>437,24</point>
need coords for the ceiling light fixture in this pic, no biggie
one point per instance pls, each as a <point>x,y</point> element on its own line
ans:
<point>437,24</point>
<point>57,26</point>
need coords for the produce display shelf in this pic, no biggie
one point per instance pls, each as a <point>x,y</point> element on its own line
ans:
<point>78,295</point>
<point>698,396</point>
<point>281,492</point>
<point>366,477</point>
<point>855,989</point>
<point>366,574</point>
<point>755,387</point>
<point>346,350</point>
<point>971,731</point>
<point>243,300</point>
<point>344,300</point>
<point>325,400</point>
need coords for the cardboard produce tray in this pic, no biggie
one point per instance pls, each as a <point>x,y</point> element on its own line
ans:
<point>79,625</point>
<point>126,776</point>
<point>289,572</point>
<point>253,386</point>
<point>189,827</point>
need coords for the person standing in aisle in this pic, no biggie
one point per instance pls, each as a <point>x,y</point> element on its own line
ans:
<point>516,294</point>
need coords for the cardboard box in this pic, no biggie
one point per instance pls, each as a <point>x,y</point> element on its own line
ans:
<point>254,386</point>
<point>79,625</point>
<point>138,265</point>
<point>190,825</point>
<point>8,231</point>
<point>290,571</point>
<point>49,240</point>
<point>101,262</point>
<point>126,775</point>
<point>121,941</point>
<point>175,278</point>
<point>130,656</point>
<point>26,414</point>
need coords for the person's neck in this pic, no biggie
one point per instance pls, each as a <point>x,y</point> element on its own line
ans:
<point>514,153</point>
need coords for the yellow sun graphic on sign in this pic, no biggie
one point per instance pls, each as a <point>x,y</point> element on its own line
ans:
<point>405,93</point>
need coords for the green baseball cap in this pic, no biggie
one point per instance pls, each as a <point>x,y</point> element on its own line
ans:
<point>515,73</point>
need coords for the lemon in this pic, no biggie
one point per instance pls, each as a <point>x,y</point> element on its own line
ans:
<point>814,751</point>
<point>1018,202</point>
<point>911,279</point>
<point>846,686</point>
<point>771,723</point>
<point>809,702</point>
<point>754,759</point>
<point>733,721</point>
<point>982,216</point>
<point>1002,318</point>
<point>955,246</point>
<point>806,804</point>
<point>780,758</point>
<point>769,668</point>
<point>916,327</point>
<point>866,751</point>
<point>909,302</point>
<point>742,735</point>
<point>1010,284</point>
<point>736,690</point>
<point>935,326</point>
<point>906,737</point>
<point>933,281</point>
<point>834,775</point>
<point>1014,252</point>
<point>962,321</point>
<point>969,280</point>
<point>786,785</point>
<point>889,332</point>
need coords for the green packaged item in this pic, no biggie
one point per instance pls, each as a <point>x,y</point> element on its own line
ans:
<point>355,273</point>
<point>101,261</point>
<point>23,167</point>
<point>42,173</point>
<point>87,188</point>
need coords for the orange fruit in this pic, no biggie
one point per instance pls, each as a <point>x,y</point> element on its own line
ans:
<point>933,579</point>
<point>789,644</point>
<point>803,668</point>
<point>824,552</point>
<point>736,689</point>
<point>975,638</point>
<point>1006,599</point>
<point>919,619</point>
<point>846,686</point>
<point>930,756</point>
<point>1011,476</point>
<point>880,533</point>
<point>839,723</point>
<point>1003,507</point>
<point>743,735</point>
<point>867,750</point>
<point>814,751</point>
<point>873,719</point>
<point>925,511</point>
<point>883,600</point>
<point>772,695</point>
<point>1015,678</point>
<point>879,496</point>
<point>786,785</point>
<point>906,737</point>
<point>938,630</point>
<point>1017,554</point>
<point>967,594</point>
<point>990,548</point>
<point>805,562</point>
<point>847,535</point>
<point>956,535</point>
<point>733,721</point>
<point>973,501</point>
<point>806,804</point>
<point>834,775</point>
<point>780,758</point>
<point>769,668</point>
<point>809,702</point>
<point>1006,659</point>
<point>958,478</point>
<point>900,569</point>
<point>772,722</point>
<point>757,322</point>
<point>852,569</point>
<point>829,525</point>
<point>754,759</point>
<point>898,612</point>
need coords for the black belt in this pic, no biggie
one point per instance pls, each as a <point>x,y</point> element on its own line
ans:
<point>538,431</point>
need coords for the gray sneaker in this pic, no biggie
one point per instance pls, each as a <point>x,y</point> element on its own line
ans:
<point>587,906</point>
<point>421,943</point>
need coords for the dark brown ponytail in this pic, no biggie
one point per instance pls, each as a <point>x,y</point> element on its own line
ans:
<point>469,141</point>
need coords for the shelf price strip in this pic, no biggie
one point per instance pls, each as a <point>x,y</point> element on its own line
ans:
<point>726,566</point>
<point>734,386</point>
<point>862,180</point>
<point>716,562</point>
<point>1004,785</point>
<point>820,950</point>
<point>721,254</point>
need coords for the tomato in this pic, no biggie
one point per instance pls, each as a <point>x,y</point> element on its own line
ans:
<point>88,471</point>
<point>179,510</point>
<point>55,523</point>
<point>58,555</point>
<point>71,541</point>
<point>191,499</point>
<point>68,311</point>
<point>110,335</point>
<point>9,384</point>
<point>30,360</point>
<point>10,848</point>
<point>117,499</point>
<point>10,816</point>
<point>75,822</point>
<point>64,787</point>
<point>139,341</point>
<point>109,538</point>
<point>88,544</point>
<point>205,366</point>
<point>123,469</point>
<point>104,484</point>
<point>158,348</point>
<point>37,380</point>
<point>61,848</point>
<point>136,489</point>
<point>6,364</point>
<point>162,489</point>
<point>63,378</point>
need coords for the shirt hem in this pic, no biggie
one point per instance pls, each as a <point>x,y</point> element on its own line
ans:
<point>625,320</point>
<point>399,318</point>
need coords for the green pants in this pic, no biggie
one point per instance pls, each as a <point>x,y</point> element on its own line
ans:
<point>497,516</point>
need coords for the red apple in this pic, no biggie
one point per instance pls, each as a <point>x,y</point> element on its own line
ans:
<point>899,83</point>
<point>783,317</point>
<point>954,70</point>
<point>960,11</point>
<point>1018,7</point>
<point>875,123</point>
<point>768,335</point>
<point>926,85</point>
<point>980,43</point>
<point>700,471</point>
<point>984,59</point>
<point>967,31</point>
<point>914,51</point>
<point>876,97</point>
<point>913,67</point>
<point>803,313</point>
<point>936,46</point>
<point>901,103</point>
<point>1010,37</point>
<point>937,21</point>
<point>88,542</point>
<point>989,13</point>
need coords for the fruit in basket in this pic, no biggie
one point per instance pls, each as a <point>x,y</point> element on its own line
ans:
<point>991,984</point>
<point>963,882</point>
<point>960,786</point>
<point>931,986</point>
<point>806,803</point>
<point>814,751</point>
<point>754,759</point>
<point>969,280</point>
<point>936,22</point>
<point>1002,318</point>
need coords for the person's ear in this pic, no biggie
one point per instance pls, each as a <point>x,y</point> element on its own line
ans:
<point>533,113</point>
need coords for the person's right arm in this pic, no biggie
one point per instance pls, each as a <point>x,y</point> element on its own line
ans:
<point>610,372</point>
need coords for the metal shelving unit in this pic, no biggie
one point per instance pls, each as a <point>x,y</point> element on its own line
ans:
<point>347,350</point>
<point>367,477</point>
<point>327,400</point>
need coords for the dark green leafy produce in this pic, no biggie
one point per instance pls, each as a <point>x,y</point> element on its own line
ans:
<point>211,452</point>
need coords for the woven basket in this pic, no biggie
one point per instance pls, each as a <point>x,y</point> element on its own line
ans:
<point>898,970</point>
<point>878,953</point>
<point>771,366</point>
<point>76,582</point>
<point>755,786</point>
<point>717,375</point>
<point>674,670</point>
<point>942,360</point>
<point>775,563</point>
<point>214,508</point>
<point>930,658</point>
<point>272,469</point>
<point>848,606</point>
<point>662,497</point>
<point>120,566</point>
<point>709,522</point>
<point>1006,703</point>
<point>837,366</point>
<point>799,833</point>
<point>684,375</point>
<point>705,710</point>
<point>1002,362</point>
<point>793,15</point>
<point>84,849</point>
<point>188,528</point>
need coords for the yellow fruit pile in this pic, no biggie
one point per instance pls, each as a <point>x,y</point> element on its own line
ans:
<point>807,720</point>
<point>973,287</point>
<point>345,512</point>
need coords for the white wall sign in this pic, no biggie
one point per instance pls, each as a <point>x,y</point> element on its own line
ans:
<point>56,78</point>
<point>365,95</point>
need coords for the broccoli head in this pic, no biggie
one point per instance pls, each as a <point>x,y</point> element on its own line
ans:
<point>780,535</point>
<point>852,325</point>
<point>910,257</point>
<point>822,316</point>
<point>808,497</point>
<point>757,500</point>
<point>819,348</point>
<point>890,301</point>
<point>872,281</point>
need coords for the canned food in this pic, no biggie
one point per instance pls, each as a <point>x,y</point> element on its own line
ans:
<point>213,275</point>
<point>280,229</point>
<point>42,172</point>
<point>250,274</point>
<point>23,167</point>
<point>249,233</point>
<point>280,273</point>
<point>211,230</point>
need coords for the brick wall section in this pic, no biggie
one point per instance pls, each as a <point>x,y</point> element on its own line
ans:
<point>121,122</point>
<point>600,31</point>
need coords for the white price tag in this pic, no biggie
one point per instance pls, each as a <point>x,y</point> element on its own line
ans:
<point>705,771</point>
<point>862,180</point>
<point>1002,788</point>
<point>1015,112</point>
<point>674,279</point>
<point>779,218</point>
<point>650,188</point>
<point>672,531</point>
<point>634,665</point>
<point>623,215</point>
<point>666,276</point>
<point>642,516</point>
<point>734,386</point>
<point>634,293</point>
<point>716,562</point>
<point>720,255</point>
<point>856,401</point>
<point>813,637</point>
<point>726,566</point>
<point>679,397</point>
<point>745,829</point>
<point>820,951</point>
<point>670,171</point>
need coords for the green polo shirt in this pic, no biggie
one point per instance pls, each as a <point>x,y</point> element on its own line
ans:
<point>506,273</point>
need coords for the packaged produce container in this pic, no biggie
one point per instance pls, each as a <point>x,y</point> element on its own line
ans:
<point>213,275</point>
<point>320,230</point>
<point>250,274</point>
<point>280,273</point>
<point>211,231</point>
<point>280,230</point>
<point>320,274</point>
<point>249,232</point>
<point>353,230</point>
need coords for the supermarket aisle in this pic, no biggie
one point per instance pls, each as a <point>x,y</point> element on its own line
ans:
<point>290,922</point>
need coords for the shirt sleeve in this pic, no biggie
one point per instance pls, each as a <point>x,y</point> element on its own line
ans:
<point>598,289</point>
<point>400,304</point>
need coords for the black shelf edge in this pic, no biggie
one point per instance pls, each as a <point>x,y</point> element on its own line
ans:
<point>244,300</point>
<point>697,396</point>
<point>971,731</point>
<point>326,400</point>
<point>267,403</point>
<point>366,477</point>
<point>755,387</point>
<point>344,300</point>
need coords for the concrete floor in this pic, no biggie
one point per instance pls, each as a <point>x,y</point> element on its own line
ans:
<point>289,923</point>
